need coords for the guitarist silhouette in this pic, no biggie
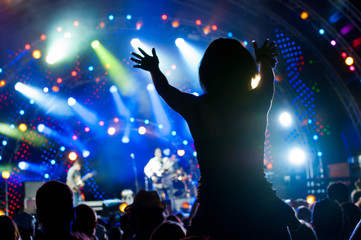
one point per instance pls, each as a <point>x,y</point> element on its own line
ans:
<point>75,181</point>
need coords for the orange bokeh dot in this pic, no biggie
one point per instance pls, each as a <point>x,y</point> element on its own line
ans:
<point>214,27</point>
<point>164,17</point>
<point>107,66</point>
<point>74,73</point>
<point>43,37</point>
<point>76,23</point>
<point>198,22</point>
<point>304,15</point>
<point>36,54</point>
<point>27,46</point>
<point>59,80</point>
<point>175,24</point>
<point>2,83</point>
<point>102,25</point>
<point>206,30</point>
<point>55,89</point>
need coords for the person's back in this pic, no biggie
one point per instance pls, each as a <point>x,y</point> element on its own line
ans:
<point>54,208</point>
<point>85,221</point>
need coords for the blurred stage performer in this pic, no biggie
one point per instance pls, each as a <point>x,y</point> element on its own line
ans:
<point>159,170</point>
<point>228,124</point>
<point>75,181</point>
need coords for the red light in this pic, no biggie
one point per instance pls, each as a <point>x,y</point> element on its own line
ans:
<point>73,73</point>
<point>43,37</point>
<point>59,80</point>
<point>27,46</point>
<point>116,120</point>
<point>198,22</point>
<point>214,27</point>
<point>269,166</point>
<point>164,17</point>
<point>86,129</point>
<point>356,42</point>
<point>352,68</point>
<point>344,55</point>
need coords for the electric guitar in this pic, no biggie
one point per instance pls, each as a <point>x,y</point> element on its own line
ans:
<point>79,181</point>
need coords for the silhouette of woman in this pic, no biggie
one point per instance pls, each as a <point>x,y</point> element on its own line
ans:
<point>228,125</point>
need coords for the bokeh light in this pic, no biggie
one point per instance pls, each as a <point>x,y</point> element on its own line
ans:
<point>142,130</point>
<point>297,156</point>
<point>23,127</point>
<point>111,131</point>
<point>349,61</point>
<point>72,156</point>
<point>304,15</point>
<point>5,174</point>
<point>198,22</point>
<point>164,17</point>
<point>36,54</point>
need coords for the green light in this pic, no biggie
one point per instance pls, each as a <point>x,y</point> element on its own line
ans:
<point>95,44</point>
<point>311,61</point>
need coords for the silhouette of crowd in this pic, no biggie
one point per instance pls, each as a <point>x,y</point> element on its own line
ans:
<point>228,124</point>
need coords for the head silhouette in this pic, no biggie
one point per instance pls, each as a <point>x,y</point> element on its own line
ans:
<point>338,191</point>
<point>8,228</point>
<point>54,207</point>
<point>226,65</point>
<point>85,220</point>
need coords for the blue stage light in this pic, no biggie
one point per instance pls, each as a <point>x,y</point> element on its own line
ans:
<point>321,31</point>
<point>71,101</point>
<point>230,34</point>
<point>146,121</point>
<point>32,101</point>
<point>125,140</point>
<point>62,148</point>
<point>90,68</point>
<point>319,154</point>
<point>128,17</point>
<point>245,43</point>
<point>315,137</point>
<point>179,42</point>
<point>12,126</point>
<point>174,133</point>
<point>52,162</point>
<point>85,153</point>
<point>185,142</point>
<point>1,158</point>
<point>131,119</point>
<point>1,70</point>
<point>195,154</point>
<point>111,17</point>
<point>4,143</point>
<point>113,89</point>
<point>46,176</point>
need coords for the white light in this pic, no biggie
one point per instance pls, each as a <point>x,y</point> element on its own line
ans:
<point>111,131</point>
<point>41,127</point>
<point>125,139</point>
<point>179,42</point>
<point>71,101</point>
<point>85,153</point>
<point>255,81</point>
<point>23,165</point>
<point>113,89</point>
<point>285,119</point>
<point>45,89</point>
<point>58,51</point>
<point>135,42</point>
<point>297,156</point>
<point>150,87</point>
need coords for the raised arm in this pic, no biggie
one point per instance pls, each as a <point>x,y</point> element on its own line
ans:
<point>266,58</point>
<point>173,97</point>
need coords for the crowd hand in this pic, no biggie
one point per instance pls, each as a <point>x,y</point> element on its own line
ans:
<point>266,51</point>
<point>145,62</point>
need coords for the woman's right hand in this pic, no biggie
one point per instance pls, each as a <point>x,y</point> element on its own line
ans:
<point>266,52</point>
<point>146,62</point>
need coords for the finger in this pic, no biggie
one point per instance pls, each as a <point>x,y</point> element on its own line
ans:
<point>254,44</point>
<point>153,52</point>
<point>144,53</point>
<point>272,44</point>
<point>137,55</point>
<point>136,60</point>
<point>265,43</point>
<point>275,54</point>
<point>273,47</point>
<point>137,66</point>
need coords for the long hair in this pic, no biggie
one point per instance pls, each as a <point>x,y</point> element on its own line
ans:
<point>226,65</point>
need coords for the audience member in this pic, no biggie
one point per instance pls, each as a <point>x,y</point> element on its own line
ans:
<point>145,214</point>
<point>54,208</point>
<point>26,225</point>
<point>114,233</point>
<point>356,197</point>
<point>304,213</point>
<point>339,192</point>
<point>168,230</point>
<point>174,218</point>
<point>85,221</point>
<point>8,229</point>
<point>353,214</point>
<point>305,232</point>
<point>327,219</point>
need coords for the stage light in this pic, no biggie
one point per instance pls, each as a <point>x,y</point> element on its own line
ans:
<point>181,152</point>
<point>74,137</point>
<point>86,129</point>
<point>2,83</point>
<point>5,174</point>
<point>74,73</point>
<point>76,23</point>
<point>196,94</point>
<point>315,137</point>
<point>12,126</point>
<point>59,80</point>
<point>352,68</point>
<point>131,119</point>
<point>90,68</point>
<point>4,142</point>
<point>122,207</point>
<point>55,89</point>
<point>62,148</point>
<point>59,29</point>
<point>2,213</point>
<point>142,130</point>
<point>296,156</point>
<point>21,112</point>
<point>111,17</point>
<point>179,42</point>
<point>32,101</point>
<point>321,31</point>
<point>185,142</point>
<point>173,67</point>
<point>230,35</point>
<point>23,127</point>
<point>1,70</point>
<point>125,139</point>
<point>164,17</point>
<point>46,176</point>
<point>27,46</point>
<point>194,154</point>
<point>245,43</point>
<point>45,89</point>
<point>135,42</point>
<point>150,87</point>
<point>128,17</point>
<point>138,25</point>
<point>71,101</point>
<point>85,153</point>
<point>255,81</point>
<point>344,55</point>
<point>349,61</point>
<point>146,121</point>
<point>310,199</point>
<point>333,42</point>
<point>101,123</point>
<point>206,30</point>
<point>36,54</point>
<point>58,51</point>
<point>43,37</point>
<point>285,119</point>
<point>23,165</point>
<point>52,162</point>
<point>67,35</point>
<point>111,131</point>
<point>214,27</point>
<point>175,24</point>
<point>304,15</point>
<point>174,133</point>
<point>269,166</point>
<point>72,156</point>
<point>319,154</point>
<point>95,44</point>
<point>160,126</point>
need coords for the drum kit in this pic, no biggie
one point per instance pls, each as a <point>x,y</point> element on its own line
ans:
<point>183,185</point>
